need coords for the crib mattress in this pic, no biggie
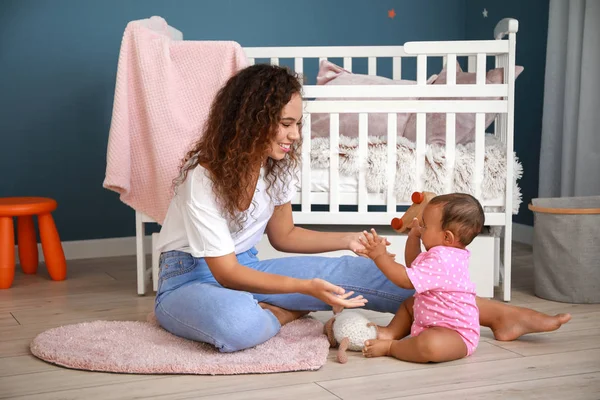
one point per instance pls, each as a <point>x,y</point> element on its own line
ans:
<point>319,182</point>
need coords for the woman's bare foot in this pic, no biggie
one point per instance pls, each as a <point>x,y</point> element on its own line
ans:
<point>519,321</point>
<point>377,348</point>
<point>384,332</point>
<point>283,316</point>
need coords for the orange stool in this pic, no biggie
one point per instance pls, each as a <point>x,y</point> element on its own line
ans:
<point>24,208</point>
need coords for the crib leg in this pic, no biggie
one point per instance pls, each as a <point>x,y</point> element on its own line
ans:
<point>497,262</point>
<point>155,258</point>
<point>506,283</point>
<point>140,254</point>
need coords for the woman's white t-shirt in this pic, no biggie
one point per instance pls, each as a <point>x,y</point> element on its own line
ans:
<point>196,224</point>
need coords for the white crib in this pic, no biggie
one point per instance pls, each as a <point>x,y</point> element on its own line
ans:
<point>488,261</point>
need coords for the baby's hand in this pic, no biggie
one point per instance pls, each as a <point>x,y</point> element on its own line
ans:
<point>415,228</point>
<point>374,246</point>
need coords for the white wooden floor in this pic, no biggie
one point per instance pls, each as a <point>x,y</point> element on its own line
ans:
<point>562,364</point>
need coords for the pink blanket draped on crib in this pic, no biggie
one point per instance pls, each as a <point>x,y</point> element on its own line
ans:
<point>164,89</point>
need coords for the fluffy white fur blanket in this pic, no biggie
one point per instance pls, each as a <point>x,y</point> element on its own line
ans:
<point>494,174</point>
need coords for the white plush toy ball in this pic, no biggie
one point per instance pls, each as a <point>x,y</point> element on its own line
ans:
<point>353,325</point>
<point>349,330</point>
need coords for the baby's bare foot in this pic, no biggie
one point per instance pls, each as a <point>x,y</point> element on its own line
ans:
<point>521,321</point>
<point>384,332</point>
<point>377,348</point>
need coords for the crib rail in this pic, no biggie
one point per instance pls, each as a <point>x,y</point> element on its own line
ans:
<point>491,47</point>
<point>406,106</point>
<point>324,51</point>
<point>405,91</point>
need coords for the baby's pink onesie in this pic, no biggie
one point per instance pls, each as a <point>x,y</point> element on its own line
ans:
<point>445,295</point>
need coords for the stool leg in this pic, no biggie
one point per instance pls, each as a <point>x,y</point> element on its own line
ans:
<point>52,248</point>
<point>28,250</point>
<point>7,252</point>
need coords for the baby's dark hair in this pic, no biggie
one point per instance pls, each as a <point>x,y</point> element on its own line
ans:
<point>462,214</point>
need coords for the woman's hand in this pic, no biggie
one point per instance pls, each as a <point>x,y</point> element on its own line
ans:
<point>333,295</point>
<point>374,245</point>
<point>338,309</point>
<point>355,243</point>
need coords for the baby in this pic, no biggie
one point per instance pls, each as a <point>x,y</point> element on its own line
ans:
<point>442,318</point>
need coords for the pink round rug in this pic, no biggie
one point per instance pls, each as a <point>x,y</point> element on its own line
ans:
<point>145,348</point>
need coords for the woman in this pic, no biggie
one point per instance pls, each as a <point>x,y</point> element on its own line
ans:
<point>235,184</point>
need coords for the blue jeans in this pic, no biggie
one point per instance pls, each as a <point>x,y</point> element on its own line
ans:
<point>190,303</point>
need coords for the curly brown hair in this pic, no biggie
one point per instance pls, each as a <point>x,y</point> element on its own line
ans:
<point>244,118</point>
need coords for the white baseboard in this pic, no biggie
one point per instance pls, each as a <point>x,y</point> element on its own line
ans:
<point>523,233</point>
<point>97,248</point>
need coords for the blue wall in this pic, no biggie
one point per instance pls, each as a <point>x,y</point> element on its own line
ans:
<point>58,62</point>
<point>529,86</point>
